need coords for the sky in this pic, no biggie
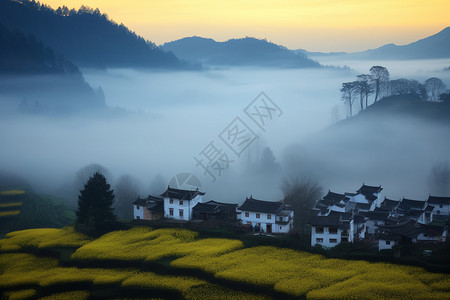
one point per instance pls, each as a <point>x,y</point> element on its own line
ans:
<point>314,25</point>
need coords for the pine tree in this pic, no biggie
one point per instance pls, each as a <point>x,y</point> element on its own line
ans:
<point>95,213</point>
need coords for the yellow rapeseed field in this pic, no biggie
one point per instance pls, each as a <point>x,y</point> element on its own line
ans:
<point>12,192</point>
<point>10,204</point>
<point>43,238</point>
<point>9,213</point>
<point>296,273</point>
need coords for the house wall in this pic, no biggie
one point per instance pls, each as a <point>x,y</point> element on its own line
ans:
<point>264,222</point>
<point>372,226</point>
<point>386,244</point>
<point>138,212</point>
<point>443,209</point>
<point>325,239</point>
<point>186,207</point>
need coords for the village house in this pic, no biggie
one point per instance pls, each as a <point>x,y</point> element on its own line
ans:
<point>213,210</point>
<point>441,205</point>
<point>150,208</point>
<point>178,203</point>
<point>266,216</point>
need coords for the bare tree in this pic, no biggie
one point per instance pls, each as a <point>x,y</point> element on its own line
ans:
<point>380,78</point>
<point>301,194</point>
<point>439,179</point>
<point>82,176</point>
<point>434,87</point>
<point>126,190</point>
<point>364,88</point>
<point>348,90</point>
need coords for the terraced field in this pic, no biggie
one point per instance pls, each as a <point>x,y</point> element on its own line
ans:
<point>177,264</point>
<point>22,209</point>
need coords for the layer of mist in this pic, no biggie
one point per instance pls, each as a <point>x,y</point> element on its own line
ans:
<point>172,116</point>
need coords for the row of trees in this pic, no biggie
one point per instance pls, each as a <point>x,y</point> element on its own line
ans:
<point>378,83</point>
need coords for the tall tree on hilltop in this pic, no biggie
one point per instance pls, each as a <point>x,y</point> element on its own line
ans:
<point>364,88</point>
<point>348,90</point>
<point>95,213</point>
<point>380,78</point>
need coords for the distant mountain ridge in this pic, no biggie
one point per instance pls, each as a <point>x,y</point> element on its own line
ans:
<point>238,52</point>
<point>433,47</point>
<point>86,37</point>
<point>41,80</point>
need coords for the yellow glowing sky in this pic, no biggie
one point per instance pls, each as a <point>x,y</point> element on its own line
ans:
<point>315,25</point>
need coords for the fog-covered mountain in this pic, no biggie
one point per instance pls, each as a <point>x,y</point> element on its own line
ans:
<point>34,79</point>
<point>86,37</point>
<point>394,142</point>
<point>238,52</point>
<point>432,47</point>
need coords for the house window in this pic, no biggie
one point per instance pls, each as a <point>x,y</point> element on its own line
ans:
<point>269,216</point>
<point>319,229</point>
<point>246,214</point>
<point>319,240</point>
<point>280,227</point>
<point>171,211</point>
<point>171,201</point>
<point>181,212</point>
<point>181,202</point>
<point>333,230</point>
<point>257,216</point>
<point>388,242</point>
<point>441,206</point>
<point>137,207</point>
<point>137,217</point>
<point>334,241</point>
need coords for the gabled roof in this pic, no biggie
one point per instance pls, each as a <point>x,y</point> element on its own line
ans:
<point>407,204</point>
<point>181,194</point>
<point>206,207</point>
<point>389,203</point>
<point>140,202</point>
<point>155,206</point>
<point>151,203</point>
<point>407,229</point>
<point>438,200</point>
<point>254,205</point>
<point>376,215</point>
<point>325,221</point>
<point>334,197</point>
<point>369,190</point>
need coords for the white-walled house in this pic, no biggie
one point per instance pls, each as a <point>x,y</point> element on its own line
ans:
<point>266,216</point>
<point>178,203</point>
<point>441,205</point>
<point>150,208</point>
<point>328,231</point>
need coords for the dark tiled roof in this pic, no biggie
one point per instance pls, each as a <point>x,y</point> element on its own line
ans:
<point>345,216</point>
<point>206,207</point>
<point>334,197</point>
<point>388,203</point>
<point>254,205</point>
<point>359,219</point>
<point>155,206</point>
<point>429,208</point>
<point>181,194</point>
<point>369,190</point>
<point>376,215</point>
<point>140,202</point>
<point>411,204</point>
<point>325,221</point>
<point>407,229</point>
<point>438,200</point>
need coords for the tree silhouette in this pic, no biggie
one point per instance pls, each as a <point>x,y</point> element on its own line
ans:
<point>380,77</point>
<point>302,194</point>
<point>348,90</point>
<point>434,87</point>
<point>95,213</point>
<point>364,88</point>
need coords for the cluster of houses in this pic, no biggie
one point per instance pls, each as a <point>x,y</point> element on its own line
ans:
<point>384,223</point>
<point>187,205</point>
<point>336,218</point>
